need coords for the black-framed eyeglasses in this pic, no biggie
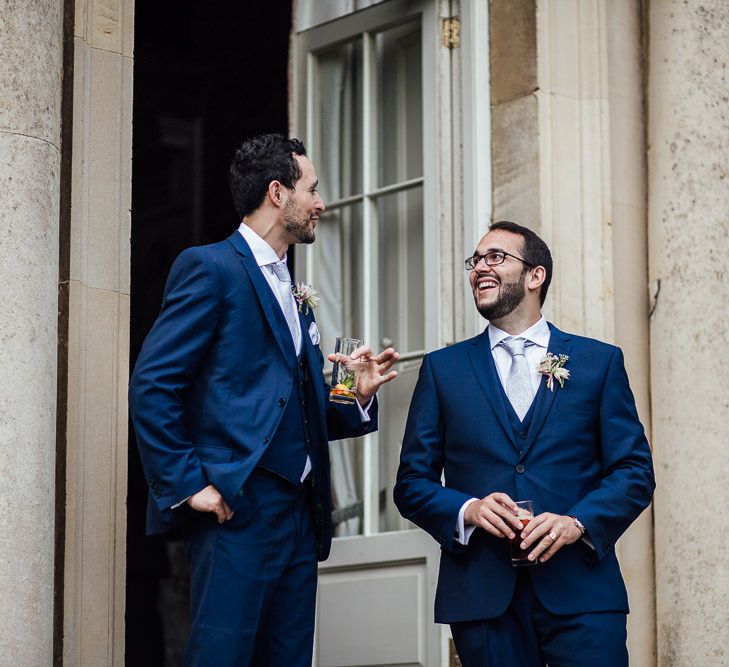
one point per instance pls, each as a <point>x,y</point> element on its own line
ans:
<point>493,258</point>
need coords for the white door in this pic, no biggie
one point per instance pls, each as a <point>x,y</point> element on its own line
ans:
<point>373,102</point>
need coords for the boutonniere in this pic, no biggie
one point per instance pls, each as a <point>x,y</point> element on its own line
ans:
<point>305,295</point>
<point>552,366</point>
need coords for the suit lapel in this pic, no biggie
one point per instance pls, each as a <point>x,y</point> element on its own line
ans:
<point>311,361</point>
<point>485,370</point>
<point>268,302</point>
<point>558,344</point>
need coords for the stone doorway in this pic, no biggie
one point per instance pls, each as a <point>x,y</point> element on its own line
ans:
<point>205,76</point>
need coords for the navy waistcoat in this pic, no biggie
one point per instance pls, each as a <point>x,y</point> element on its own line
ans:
<point>287,451</point>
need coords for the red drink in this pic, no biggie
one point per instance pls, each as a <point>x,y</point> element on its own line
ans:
<point>519,555</point>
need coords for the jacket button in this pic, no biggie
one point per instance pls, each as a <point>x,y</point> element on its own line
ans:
<point>282,401</point>
<point>523,435</point>
<point>520,468</point>
<point>266,439</point>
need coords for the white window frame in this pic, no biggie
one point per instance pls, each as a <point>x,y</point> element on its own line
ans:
<point>367,23</point>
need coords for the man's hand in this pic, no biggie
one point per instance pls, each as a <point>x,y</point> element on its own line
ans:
<point>210,500</point>
<point>370,372</point>
<point>496,514</point>
<point>549,532</point>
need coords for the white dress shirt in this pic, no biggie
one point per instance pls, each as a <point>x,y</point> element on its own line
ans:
<point>266,257</point>
<point>538,335</point>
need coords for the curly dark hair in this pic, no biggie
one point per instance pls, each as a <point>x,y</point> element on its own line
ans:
<point>260,160</point>
<point>533,250</point>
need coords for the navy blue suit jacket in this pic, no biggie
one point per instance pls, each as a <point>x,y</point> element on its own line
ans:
<point>210,385</point>
<point>585,455</point>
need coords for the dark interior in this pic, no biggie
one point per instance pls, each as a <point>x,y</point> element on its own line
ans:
<point>206,75</point>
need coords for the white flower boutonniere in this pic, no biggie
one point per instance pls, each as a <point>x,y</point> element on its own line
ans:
<point>305,295</point>
<point>552,366</point>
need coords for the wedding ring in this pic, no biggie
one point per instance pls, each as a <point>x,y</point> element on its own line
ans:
<point>552,536</point>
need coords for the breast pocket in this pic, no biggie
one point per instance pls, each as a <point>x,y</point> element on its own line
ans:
<point>567,405</point>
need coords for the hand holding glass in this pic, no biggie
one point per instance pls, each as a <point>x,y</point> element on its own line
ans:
<point>519,557</point>
<point>344,382</point>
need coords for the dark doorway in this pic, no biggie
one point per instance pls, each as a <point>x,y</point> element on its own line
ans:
<point>206,75</point>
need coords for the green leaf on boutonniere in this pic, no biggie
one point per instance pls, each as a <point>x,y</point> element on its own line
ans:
<point>552,367</point>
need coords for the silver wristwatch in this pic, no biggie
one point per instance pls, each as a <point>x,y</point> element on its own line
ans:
<point>579,525</point>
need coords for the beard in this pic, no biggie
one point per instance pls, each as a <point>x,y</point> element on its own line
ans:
<point>298,226</point>
<point>510,296</point>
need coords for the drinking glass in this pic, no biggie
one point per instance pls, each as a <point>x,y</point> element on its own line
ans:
<point>344,382</point>
<point>519,557</point>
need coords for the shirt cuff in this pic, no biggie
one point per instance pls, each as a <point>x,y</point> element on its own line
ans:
<point>182,502</point>
<point>307,469</point>
<point>463,532</point>
<point>364,412</point>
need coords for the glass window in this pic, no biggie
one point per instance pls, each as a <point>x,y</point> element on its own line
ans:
<point>366,124</point>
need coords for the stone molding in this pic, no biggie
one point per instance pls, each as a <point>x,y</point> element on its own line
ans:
<point>98,336</point>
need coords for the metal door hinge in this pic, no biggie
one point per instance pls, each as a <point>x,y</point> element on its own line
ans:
<point>451,32</point>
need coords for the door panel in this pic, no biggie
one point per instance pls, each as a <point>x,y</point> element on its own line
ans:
<point>382,588</point>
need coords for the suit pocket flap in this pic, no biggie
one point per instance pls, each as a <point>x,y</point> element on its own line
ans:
<point>214,453</point>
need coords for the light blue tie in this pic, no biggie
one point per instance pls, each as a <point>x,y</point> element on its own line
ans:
<point>284,290</point>
<point>518,382</point>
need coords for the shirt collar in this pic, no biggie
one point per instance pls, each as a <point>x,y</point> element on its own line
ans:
<point>538,334</point>
<point>263,253</point>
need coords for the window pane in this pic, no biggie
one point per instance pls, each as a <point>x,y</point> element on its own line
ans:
<point>338,274</point>
<point>394,398</point>
<point>400,95</point>
<point>338,277</point>
<point>338,117</point>
<point>347,465</point>
<point>402,294</point>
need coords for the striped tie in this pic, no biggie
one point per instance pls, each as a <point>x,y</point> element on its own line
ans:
<point>284,290</point>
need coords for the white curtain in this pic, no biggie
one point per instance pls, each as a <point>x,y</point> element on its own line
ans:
<point>337,152</point>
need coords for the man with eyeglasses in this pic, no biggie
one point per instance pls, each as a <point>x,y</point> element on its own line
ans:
<point>525,411</point>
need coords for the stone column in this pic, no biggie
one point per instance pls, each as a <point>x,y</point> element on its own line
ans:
<point>688,216</point>
<point>630,280</point>
<point>98,334</point>
<point>31,36</point>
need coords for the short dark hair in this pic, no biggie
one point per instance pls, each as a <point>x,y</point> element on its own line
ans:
<point>260,160</point>
<point>533,250</point>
